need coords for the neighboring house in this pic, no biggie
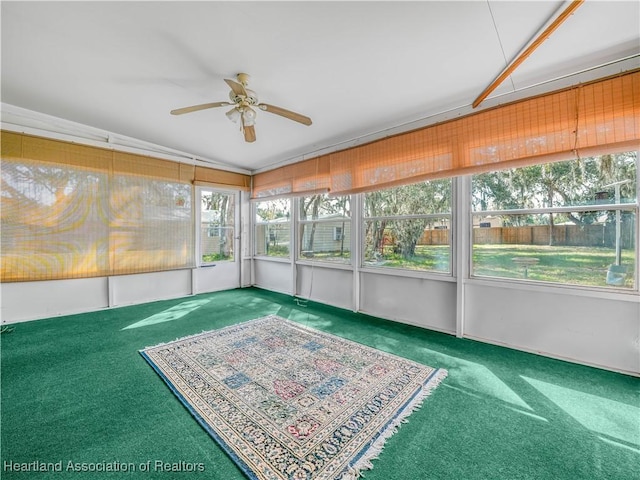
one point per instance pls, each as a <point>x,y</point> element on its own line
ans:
<point>272,234</point>
<point>331,233</point>
<point>214,237</point>
<point>486,222</point>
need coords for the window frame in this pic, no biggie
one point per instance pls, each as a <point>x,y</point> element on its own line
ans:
<point>255,224</point>
<point>300,228</point>
<point>608,291</point>
<point>409,272</point>
<point>199,229</point>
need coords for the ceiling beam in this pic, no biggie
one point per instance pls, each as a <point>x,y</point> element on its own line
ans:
<point>528,50</point>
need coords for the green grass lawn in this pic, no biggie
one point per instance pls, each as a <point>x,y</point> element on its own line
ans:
<point>560,264</point>
<point>427,257</point>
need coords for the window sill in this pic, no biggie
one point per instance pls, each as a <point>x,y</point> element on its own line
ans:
<point>321,264</point>
<point>400,272</point>
<point>271,259</point>
<point>631,295</point>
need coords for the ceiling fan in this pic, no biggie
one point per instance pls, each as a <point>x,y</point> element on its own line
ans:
<point>244,101</point>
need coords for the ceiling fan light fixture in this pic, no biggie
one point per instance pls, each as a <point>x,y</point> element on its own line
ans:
<point>234,115</point>
<point>249,116</point>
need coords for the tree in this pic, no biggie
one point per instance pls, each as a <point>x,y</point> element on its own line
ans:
<point>222,205</point>
<point>566,183</point>
<point>422,198</point>
<point>311,203</point>
<point>273,209</point>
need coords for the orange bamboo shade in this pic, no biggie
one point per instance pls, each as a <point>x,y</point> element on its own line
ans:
<point>306,177</point>
<point>584,120</point>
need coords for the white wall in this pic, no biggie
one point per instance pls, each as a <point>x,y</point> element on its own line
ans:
<point>603,332</point>
<point>273,275</point>
<point>21,301</point>
<point>422,302</point>
<point>321,283</point>
<point>148,287</point>
<point>32,300</point>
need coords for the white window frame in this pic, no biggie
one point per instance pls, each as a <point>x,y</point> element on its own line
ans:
<point>299,227</point>
<point>198,225</point>
<point>569,288</point>
<point>406,272</point>
<point>255,223</point>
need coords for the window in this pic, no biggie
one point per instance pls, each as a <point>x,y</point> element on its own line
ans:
<point>325,227</point>
<point>570,222</point>
<point>217,219</point>
<point>273,228</point>
<point>409,227</point>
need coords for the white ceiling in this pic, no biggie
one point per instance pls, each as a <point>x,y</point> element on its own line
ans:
<point>358,69</point>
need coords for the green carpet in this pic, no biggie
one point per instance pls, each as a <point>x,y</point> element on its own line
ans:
<point>75,389</point>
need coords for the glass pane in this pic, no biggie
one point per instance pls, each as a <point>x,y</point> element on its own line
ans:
<point>273,228</point>
<point>217,214</point>
<point>415,244</point>
<point>273,239</point>
<point>604,179</point>
<point>273,210</point>
<point>596,249</point>
<point>326,241</point>
<point>423,198</point>
<point>324,207</point>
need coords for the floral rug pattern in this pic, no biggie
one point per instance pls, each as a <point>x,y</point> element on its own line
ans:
<point>289,402</point>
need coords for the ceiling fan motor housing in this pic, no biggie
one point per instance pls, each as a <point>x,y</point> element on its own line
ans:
<point>250,99</point>
<point>242,100</point>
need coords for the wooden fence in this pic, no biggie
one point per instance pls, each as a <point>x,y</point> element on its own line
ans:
<point>435,237</point>
<point>569,235</point>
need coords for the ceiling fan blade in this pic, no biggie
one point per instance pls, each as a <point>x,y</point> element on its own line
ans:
<point>237,88</point>
<point>195,108</point>
<point>250,134</point>
<point>296,117</point>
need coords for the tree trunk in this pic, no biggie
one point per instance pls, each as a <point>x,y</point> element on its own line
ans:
<point>551,225</point>
<point>314,216</point>
<point>378,238</point>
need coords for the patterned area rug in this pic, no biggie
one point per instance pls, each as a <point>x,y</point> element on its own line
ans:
<point>289,402</point>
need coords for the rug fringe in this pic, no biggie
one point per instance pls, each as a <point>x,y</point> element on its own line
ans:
<point>375,449</point>
<point>186,337</point>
